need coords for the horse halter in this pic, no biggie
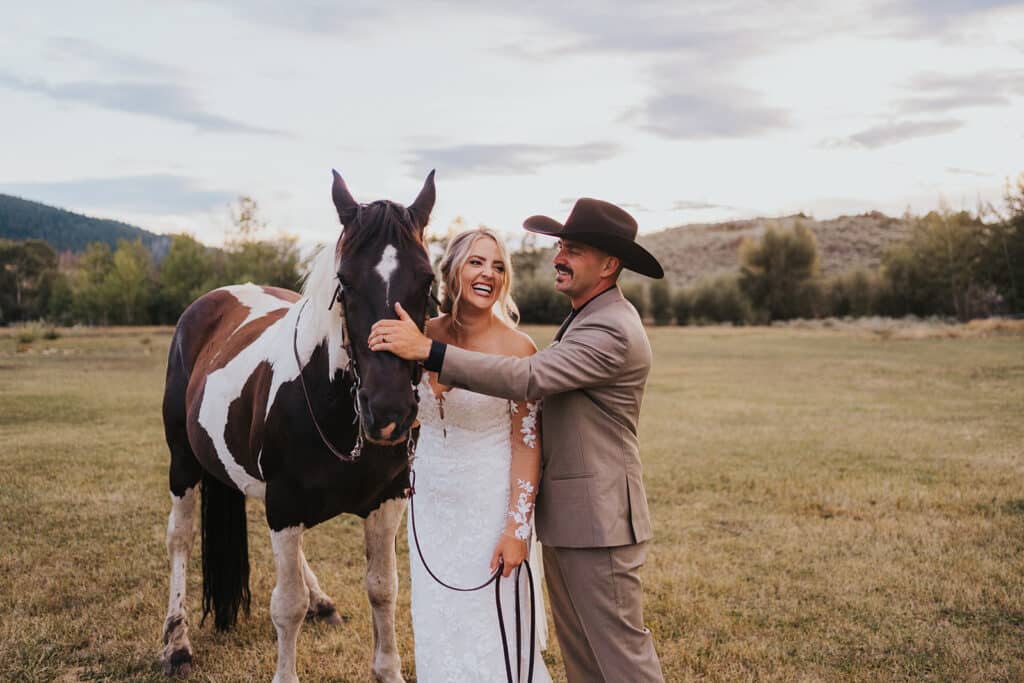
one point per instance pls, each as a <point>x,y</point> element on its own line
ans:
<point>352,370</point>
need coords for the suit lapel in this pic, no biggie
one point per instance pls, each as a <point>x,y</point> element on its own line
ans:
<point>600,301</point>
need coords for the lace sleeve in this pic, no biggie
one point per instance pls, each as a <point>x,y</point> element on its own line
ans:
<point>525,469</point>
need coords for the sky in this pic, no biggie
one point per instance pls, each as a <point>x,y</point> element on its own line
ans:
<point>161,114</point>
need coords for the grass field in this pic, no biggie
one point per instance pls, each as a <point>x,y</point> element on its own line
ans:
<point>828,505</point>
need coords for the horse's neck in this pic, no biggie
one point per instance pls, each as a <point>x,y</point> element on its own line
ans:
<point>317,326</point>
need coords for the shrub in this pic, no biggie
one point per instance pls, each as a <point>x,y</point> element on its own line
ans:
<point>660,298</point>
<point>682,306</point>
<point>933,272</point>
<point>778,273</point>
<point>853,294</point>
<point>634,291</point>
<point>539,303</point>
<point>721,301</point>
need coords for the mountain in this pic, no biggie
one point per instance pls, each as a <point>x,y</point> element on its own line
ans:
<point>21,219</point>
<point>693,252</point>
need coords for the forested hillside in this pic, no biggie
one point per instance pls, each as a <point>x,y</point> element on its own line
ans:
<point>21,219</point>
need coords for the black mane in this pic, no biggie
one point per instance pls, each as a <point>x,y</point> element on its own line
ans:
<point>380,220</point>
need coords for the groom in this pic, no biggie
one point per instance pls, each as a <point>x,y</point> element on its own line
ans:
<point>591,509</point>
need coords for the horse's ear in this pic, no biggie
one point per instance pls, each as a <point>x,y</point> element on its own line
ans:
<point>424,203</point>
<point>344,202</point>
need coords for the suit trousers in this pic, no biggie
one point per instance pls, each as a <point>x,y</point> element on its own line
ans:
<point>597,605</point>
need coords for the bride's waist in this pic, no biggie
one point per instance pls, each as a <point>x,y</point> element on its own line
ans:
<point>451,438</point>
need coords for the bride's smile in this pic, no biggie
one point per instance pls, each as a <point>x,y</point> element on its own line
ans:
<point>483,274</point>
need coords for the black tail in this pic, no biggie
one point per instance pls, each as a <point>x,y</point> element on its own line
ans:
<point>225,553</point>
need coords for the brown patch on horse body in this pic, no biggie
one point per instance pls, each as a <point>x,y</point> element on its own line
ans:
<point>283,294</point>
<point>246,420</point>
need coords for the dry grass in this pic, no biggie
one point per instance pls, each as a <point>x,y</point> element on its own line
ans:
<point>829,504</point>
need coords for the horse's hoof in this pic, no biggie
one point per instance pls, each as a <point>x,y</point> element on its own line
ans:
<point>179,664</point>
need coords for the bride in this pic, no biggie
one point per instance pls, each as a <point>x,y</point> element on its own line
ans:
<point>477,467</point>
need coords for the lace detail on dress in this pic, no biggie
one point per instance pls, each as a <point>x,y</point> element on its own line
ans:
<point>463,464</point>
<point>522,512</point>
<point>529,428</point>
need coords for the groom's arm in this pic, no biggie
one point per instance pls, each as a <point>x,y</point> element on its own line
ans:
<point>590,355</point>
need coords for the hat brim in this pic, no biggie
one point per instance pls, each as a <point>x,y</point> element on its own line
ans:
<point>633,256</point>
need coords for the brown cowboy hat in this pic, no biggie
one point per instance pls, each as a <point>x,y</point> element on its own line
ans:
<point>605,226</point>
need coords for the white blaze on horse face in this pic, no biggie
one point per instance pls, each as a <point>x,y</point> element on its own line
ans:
<point>386,268</point>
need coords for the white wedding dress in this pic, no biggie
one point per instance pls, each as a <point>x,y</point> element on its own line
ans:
<point>462,471</point>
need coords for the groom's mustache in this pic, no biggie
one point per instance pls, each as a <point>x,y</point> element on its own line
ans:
<point>564,270</point>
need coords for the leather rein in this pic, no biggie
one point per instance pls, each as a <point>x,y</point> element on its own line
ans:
<point>495,578</point>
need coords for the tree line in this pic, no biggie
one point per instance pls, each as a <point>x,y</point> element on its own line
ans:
<point>953,264</point>
<point>126,285</point>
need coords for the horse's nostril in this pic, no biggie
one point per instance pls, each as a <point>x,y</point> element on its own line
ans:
<point>386,432</point>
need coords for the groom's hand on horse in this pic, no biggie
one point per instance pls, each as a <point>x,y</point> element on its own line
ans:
<point>401,337</point>
<point>512,551</point>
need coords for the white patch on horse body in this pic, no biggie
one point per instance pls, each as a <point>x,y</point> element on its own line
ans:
<point>386,268</point>
<point>225,385</point>
<point>256,300</point>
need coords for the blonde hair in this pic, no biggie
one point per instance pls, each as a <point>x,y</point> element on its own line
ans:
<point>455,258</point>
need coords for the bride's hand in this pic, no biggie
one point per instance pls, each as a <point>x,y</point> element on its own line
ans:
<point>510,549</point>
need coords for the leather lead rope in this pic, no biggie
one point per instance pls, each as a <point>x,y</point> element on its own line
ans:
<point>344,457</point>
<point>495,578</point>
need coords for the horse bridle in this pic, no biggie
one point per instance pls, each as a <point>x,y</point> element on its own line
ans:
<point>352,370</point>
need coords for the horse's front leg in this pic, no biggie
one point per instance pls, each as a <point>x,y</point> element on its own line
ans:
<point>176,656</point>
<point>290,599</point>
<point>382,587</point>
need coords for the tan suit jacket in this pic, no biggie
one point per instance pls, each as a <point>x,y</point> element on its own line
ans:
<point>592,382</point>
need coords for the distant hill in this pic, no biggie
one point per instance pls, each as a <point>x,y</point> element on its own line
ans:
<point>21,219</point>
<point>693,252</point>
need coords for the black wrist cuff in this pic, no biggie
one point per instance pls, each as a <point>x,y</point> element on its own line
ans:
<point>436,358</point>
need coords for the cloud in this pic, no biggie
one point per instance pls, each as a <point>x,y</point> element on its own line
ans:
<point>940,12</point>
<point>324,17</point>
<point>106,59</point>
<point>159,193</point>
<point>508,159</point>
<point>710,113</point>
<point>942,92</point>
<point>697,205</point>
<point>895,132</point>
<point>160,100</point>
<point>966,171</point>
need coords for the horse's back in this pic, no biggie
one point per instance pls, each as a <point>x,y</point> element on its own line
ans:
<point>212,324</point>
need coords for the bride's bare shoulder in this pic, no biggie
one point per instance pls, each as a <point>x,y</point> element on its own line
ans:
<point>516,342</point>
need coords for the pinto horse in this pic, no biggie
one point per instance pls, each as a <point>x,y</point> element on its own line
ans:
<point>277,396</point>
